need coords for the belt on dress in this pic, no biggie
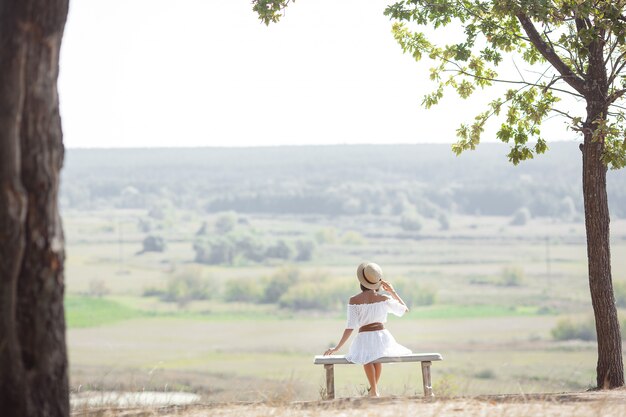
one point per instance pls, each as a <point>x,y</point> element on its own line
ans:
<point>372,327</point>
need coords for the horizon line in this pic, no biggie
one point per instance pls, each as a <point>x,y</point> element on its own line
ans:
<point>327,145</point>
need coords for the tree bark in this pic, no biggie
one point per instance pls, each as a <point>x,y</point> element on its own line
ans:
<point>610,367</point>
<point>33,358</point>
<point>13,388</point>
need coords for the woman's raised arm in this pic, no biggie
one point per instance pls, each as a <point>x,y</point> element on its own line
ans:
<point>389,288</point>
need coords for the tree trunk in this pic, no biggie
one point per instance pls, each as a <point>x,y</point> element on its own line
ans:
<point>13,389</point>
<point>610,367</point>
<point>33,358</point>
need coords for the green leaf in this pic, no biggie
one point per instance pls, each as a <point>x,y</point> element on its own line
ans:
<point>491,34</point>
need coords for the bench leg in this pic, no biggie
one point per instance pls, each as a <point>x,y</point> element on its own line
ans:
<point>428,388</point>
<point>330,381</point>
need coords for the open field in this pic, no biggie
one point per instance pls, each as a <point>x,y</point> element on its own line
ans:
<point>495,339</point>
<point>486,355</point>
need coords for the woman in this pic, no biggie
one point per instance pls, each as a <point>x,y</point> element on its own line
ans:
<point>368,311</point>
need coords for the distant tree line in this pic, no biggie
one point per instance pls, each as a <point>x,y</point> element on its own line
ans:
<point>406,181</point>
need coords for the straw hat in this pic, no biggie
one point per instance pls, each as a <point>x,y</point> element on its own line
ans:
<point>370,275</point>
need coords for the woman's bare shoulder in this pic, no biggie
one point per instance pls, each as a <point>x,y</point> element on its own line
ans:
<point>365,298</point>
<point>356,299</point>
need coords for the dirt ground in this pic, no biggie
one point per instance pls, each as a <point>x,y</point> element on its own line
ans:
<point>585,404</point>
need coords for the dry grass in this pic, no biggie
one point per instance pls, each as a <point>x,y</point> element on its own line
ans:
<point>587,404</point>
<point>230,361</point>
<point>214,388</point>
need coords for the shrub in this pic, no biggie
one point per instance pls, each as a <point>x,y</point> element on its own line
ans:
<point>566,329</point>
<point>352,238</point>
<point>98,288</point>
<point>153,244</point>
<point>326,235</point>
<point>280,250</point>
<point>215,251</point>
<point>414,294</point>
<point>520,217</point>
<point>225,223</point>
<point>186,286</point>
<point>161,210</point>
<point>304,296</point>
<point>411,222</point>
<point>304,250</point>
<point>619,289</point>
<point>279,283</point>
<point>157,212</point>
<point>485,374</point>
<point>511,276</point>
<point>316,295</point>
<point>153,292</point>
<point>249,246</point>
<point>234,246</point>
<point>244,290</point>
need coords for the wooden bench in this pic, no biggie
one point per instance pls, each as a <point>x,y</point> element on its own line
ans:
<point>425,358</point>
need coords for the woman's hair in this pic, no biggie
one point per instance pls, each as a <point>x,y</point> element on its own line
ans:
<point>365,289</point>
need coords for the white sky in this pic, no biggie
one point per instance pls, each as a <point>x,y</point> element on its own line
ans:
<point>141,73</point>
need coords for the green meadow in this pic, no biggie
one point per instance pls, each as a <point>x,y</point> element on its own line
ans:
<point>495,338</point>
<point>224,271</point>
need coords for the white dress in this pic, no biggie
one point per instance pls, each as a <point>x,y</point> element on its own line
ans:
<point>369,346</point>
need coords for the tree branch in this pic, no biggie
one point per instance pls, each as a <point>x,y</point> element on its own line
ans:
<point>615,71</point>
<point>609,55</point>
<point>548,53</point>
<point>563,113</point>
<point>615,96</point>
<point>550,86</point>
<point>460,70</point>
<point>617,106</point>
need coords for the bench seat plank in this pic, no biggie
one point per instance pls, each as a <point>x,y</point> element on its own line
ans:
<point>414,357</point>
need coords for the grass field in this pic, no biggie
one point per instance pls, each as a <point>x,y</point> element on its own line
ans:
<point>494,338</point>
